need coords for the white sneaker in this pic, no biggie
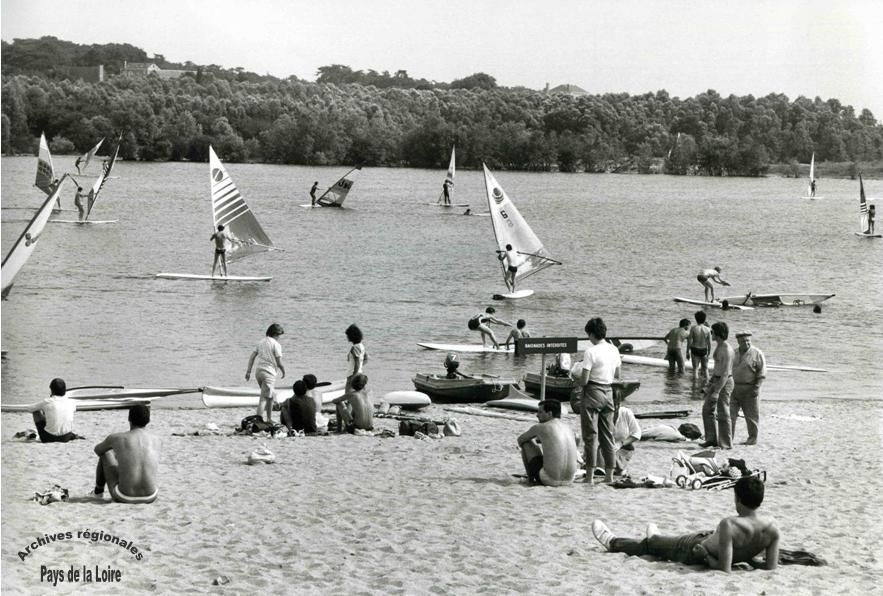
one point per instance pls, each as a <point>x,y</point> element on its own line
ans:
<point>651,531</point>
<point>602,533</point>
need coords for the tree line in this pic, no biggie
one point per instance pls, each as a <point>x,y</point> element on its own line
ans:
<point>381,119</point>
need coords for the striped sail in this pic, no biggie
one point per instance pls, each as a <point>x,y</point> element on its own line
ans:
<point>45,170</point>
<point>336,194</point>
<point>229,209</point>
<point>510,228</point>
<point>83,161</point>
<point>27,242</point>
<point>862,207</point>
<point>449,178</point>
<point>106,167</point>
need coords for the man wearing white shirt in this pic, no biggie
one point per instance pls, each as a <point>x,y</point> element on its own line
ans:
<point>600,366</point>
<point>54,416</point>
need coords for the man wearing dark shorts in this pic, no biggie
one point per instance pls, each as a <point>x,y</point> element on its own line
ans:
<point>548,449</point>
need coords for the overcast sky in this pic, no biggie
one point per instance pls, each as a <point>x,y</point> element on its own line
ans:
<point>798,47</point>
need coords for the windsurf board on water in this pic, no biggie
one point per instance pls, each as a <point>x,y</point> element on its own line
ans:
<point>467,348</point>
<point>866,235</point>
<point>661,362</point>
<point>448,205</point>
<point>83,405</point>
<point>194,276</point>
<point>248,397</point>
<point>408,400</point>
<point>85,222</point>
<point>317,205</point>
<point>513,295</point>
<point>712,304</point>
<point>812,198</point>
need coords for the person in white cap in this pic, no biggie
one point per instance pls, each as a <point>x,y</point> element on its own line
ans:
<point>749,371</point>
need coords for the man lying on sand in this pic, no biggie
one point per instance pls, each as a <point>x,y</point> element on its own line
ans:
<point>128,461</point>
<point>548,449</point>
<point>354,409</point>
<point>737,539</point>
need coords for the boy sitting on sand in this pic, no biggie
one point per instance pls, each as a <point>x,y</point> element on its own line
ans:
<point>548,449</point>
<point>354,408</point>
<point>299,411</point>
<point>737,539</point>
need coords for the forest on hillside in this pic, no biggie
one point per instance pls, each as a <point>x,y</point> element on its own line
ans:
<point>369,118</point>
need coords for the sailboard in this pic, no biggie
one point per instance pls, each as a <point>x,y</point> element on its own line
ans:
<point>511,228</point>
<point>663,363</point>
<point>810,193</point>
<point>27,242</point>
<point>337,192</point>
<point>449,181</point>
<point>230,210</point>
<point>45,179</point>
<point>780,299</point>
<point>92,196</point>
<point>467,348</point>
<point>82,162</point>
<point>715,304</point>
<point>864,229</point>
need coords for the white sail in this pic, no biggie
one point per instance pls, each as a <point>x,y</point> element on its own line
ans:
<point>27,242</point>
<point>862,207</point>
<point>510,228</point>
<point>82,161</point>
<point>106,167</point>
<point>812,174</point>
<point>449,179</point>
<point>45,170</point>
<point>230,210</point>
<point>336,194</point>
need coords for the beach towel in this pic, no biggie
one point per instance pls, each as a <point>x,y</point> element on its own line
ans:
<point>54,494</point>
<point>800,557</point>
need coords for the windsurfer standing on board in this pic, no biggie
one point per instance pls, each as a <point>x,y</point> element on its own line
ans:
<point>511,261</point>
<point>78,203</point>
<point>812,188</point>
<point>222,240</point>
<point>706,276</point>
<point>313,193</point>
<point>446,192</point>
<point>872,211</point>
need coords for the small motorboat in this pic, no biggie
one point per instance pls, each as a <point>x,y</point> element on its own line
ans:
<point>559,388</point>
<point>462,388</point>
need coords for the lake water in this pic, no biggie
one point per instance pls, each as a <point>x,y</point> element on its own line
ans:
<point>87,307</point>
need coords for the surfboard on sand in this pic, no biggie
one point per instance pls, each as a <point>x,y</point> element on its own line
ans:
<point>248,397</point>
<point>523,404</point>
<point>467,348</point>
<point>713,304</point>
<point>84,222</point>
<point>665,414</point>
<point>194,276</point>
<point>84,404</point>
<point>513,295</point>
<point>407,400</point>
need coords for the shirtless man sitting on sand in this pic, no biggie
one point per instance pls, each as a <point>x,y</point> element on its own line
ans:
<point>128,461</point>
<point>548,449</point>
<point>737,539</point>
<point>354,408</point>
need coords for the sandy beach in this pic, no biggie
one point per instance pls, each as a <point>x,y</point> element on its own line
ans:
<point>370,515</point>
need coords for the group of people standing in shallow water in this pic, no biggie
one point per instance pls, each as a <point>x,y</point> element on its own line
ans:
<point>735,382</point>
<point>302,412</point>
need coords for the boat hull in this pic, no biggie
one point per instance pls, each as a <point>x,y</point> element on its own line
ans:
<point>471,389</point>
<point>560,387</point>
